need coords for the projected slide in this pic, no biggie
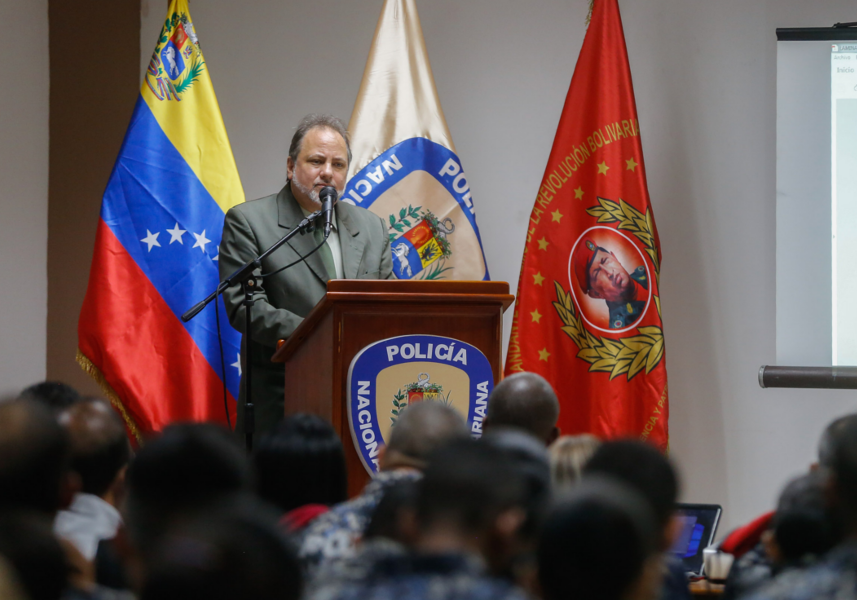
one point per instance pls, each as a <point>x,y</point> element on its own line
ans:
<point>844,202</point>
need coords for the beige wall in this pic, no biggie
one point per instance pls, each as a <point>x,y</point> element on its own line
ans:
<point>705,82</point>
<point>94,85</point>
<point>23,193</point>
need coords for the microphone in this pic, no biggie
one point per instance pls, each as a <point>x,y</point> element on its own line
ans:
<point>327,195</point>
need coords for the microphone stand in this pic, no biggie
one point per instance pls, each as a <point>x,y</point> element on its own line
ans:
<point>244,277</point>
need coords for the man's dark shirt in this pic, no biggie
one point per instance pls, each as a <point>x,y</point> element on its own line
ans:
<point>424,577</point>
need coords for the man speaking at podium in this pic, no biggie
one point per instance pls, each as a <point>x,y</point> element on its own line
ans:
<point>358,248</point>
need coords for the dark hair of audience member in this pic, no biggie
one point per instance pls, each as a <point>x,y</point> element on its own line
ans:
<point>643,468</point>
<point>596,543</point>
<point>802,525</point>
<point>189,467</point>
<point>526,401</point>
<point>528,456</point>
<point>467,485</point>
<point>233,550</point>
<point>391,516</point>
<point>830,437</point>
<point>99,446</point>
<point>843,472</point>
<point>54,395</point>
<point>34,457</point>
<point>28,544</point>
<point>302,462</point>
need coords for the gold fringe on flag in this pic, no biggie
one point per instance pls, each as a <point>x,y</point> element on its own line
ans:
<point>589,14</point>
<point>96,374</point>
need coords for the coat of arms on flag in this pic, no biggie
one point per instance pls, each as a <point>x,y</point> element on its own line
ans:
<point>405,168</point>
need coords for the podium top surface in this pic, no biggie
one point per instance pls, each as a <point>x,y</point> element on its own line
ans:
<point>393,291</point>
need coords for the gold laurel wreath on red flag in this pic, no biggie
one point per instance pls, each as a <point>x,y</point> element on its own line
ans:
<point>628,355</point>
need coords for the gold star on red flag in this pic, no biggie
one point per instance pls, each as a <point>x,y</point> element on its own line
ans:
<point>543,244</point>
<point>578,193</point>
<point>544,354</point>
<point>632,164</point>
<point>538,279</point>
<point>536,316</point>
<point>556,216</point>
<point>602,168</point>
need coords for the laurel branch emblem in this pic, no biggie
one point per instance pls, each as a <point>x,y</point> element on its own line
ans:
<point>624,356</point>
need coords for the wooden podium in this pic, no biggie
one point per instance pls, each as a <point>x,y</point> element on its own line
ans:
<point>355,313</point>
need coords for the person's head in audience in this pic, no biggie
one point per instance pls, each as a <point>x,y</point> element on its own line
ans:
<point>802,526</point>
<point>568,455</point>
<point>419,430</point>
<point>229,551</point>
<point>99,448</point>
<point>189,467</point>
<point>34,554</point>
<point>842,489</point>
<point>53,394</point>
<point>473,500</point>
<point>830,437</point>
<point>394,517</point>
<point>302,462</point>
<point>34,459</point>
<point>526,401</point>
<point>601,541</point>
<point>646,470</point>
<point>528,457</point>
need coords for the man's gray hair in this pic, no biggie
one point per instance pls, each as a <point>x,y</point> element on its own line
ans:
<point>313,121</point>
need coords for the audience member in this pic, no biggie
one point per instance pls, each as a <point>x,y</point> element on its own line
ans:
<point>33,553</point>
<point>802,530</point>
<point>647,471</point>
<point>300,469</point>
<point>232,550</point>
<point>99,455</point>
<point>34,459</point>
<point>600,542</point>
<point>55,395</point>
<point>528,457</point>
<point>391,531</point>
<point>526,401</point>
<point>568,455</point>
<point>834,576</point>
<point>469,501</point>
<point>188,468</point>
<point>419,430</point>
<point>753,566</point>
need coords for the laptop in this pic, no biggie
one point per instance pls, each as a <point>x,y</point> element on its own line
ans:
<point>697,526</point>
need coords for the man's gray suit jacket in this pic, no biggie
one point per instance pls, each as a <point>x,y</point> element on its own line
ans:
<point>286,298</point>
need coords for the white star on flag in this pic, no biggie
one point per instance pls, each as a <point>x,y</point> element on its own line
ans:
<point>217,256</point>
<point>176,234</point>
<point>237,364</point>
<point>152,239</point>
<point>201,240</point>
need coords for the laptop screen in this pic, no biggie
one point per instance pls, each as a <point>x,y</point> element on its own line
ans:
<point>697,526</point>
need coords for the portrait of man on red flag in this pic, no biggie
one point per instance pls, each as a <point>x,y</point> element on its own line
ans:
<point>602,275</point>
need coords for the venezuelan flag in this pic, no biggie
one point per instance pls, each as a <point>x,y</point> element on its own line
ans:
<point>156,248</point>
<point>404,165</point>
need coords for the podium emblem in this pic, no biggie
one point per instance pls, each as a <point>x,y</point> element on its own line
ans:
<point>388,376</point>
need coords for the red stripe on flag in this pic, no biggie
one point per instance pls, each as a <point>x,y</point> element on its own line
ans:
<point>127,330</point>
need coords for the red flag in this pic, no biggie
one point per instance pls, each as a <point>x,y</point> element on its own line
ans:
<point>588,311</point>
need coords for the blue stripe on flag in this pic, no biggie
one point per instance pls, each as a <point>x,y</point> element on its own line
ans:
<point>151,190</point>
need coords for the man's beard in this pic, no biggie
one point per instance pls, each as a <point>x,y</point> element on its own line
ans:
<point>313,194</point>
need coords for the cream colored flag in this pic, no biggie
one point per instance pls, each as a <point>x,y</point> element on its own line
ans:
<point>404,167</point>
